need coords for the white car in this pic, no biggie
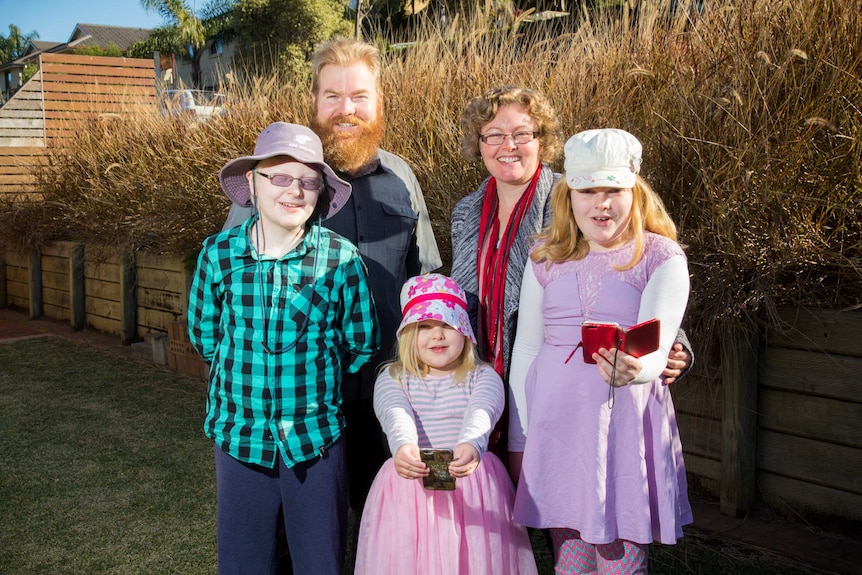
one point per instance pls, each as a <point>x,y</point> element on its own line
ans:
<point>200,104</point>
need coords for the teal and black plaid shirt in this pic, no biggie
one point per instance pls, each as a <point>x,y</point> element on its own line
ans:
<point>258,401</point>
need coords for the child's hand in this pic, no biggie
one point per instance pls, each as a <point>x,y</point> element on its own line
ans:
<point>465,460</point>
<point>407,462</point>
<point>628,366</point>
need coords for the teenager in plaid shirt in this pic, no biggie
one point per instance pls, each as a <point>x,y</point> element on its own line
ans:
<point>280,308</point>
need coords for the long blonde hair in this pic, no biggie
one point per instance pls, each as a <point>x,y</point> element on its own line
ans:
<point>408,361</point>
<point>562,240</point>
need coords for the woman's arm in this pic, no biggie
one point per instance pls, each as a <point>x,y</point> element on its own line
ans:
<point>680,360</point>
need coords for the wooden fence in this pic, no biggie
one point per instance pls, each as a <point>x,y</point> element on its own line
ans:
<point>50,107</point>
<point>785,433</point>
<point>17,168</point>
<point>119,294</point>
<point>809,409</point>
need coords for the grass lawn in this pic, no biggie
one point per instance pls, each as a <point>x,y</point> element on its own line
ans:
<point>105,466</point>
<point>105,470</point>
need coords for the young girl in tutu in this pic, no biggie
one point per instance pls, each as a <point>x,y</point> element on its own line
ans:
<point>437,395</point>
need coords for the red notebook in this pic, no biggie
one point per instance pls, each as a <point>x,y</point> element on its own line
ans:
<point>637,340</point>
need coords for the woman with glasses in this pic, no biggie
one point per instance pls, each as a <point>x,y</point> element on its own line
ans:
<point>516,133</point>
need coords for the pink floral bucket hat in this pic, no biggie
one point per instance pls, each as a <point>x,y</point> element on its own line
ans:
<point>435,296</point>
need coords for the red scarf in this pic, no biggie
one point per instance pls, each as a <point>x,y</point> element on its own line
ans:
<point>492,264</point>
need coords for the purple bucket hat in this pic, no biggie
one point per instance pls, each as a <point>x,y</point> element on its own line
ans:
<point>283,139</point>
<point>435,296</point>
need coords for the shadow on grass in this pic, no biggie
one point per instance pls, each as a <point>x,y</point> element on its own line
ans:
<point>106,470</point>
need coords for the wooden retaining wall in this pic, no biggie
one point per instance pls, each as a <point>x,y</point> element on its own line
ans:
<point>116,294</point>
<point>162,292</point>
<point>698,411</point>
<point>16,271</point>
<point>801,452</point>
<point>809,437</point>
<point>796,446</point>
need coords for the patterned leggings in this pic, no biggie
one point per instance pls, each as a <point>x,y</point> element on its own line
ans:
<point>573,555</point>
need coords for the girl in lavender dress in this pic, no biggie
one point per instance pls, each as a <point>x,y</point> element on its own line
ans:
<point>437,395</point>
<point>596,447</point>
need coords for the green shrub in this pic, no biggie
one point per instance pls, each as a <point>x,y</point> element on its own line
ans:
<point>95,50</point>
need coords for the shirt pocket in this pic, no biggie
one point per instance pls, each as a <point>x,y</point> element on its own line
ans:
<point>398,223</point>
<point>311,299</point>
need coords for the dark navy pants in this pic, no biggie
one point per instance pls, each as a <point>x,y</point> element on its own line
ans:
<point>313,499</point>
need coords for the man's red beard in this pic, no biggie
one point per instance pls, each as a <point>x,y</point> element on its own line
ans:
<point>349,153</point>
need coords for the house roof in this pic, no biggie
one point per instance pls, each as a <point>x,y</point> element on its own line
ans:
<point>84,35</point>
<point>41,45</point>
<point>97,34</point>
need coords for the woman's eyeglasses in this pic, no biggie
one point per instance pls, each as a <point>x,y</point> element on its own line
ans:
<point>285,181</point>
<point>517,137</point>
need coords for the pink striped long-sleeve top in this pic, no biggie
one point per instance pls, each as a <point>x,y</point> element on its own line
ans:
<point>438,412</point>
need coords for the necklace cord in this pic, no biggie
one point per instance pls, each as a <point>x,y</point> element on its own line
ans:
<point>264,307</point>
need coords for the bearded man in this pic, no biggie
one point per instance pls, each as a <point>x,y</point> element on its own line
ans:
<point>386,218</point>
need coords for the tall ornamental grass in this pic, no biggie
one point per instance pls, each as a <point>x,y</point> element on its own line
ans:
<point>750,113</point>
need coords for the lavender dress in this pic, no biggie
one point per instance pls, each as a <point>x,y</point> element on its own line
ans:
<point>607,472</point>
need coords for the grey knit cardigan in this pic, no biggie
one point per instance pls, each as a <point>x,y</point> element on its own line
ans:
<point>465,221</point>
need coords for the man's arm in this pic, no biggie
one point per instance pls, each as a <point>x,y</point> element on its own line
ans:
<point>425,253</point>
<point>236,216</point>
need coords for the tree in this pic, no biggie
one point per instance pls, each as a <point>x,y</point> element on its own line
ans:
<point>186,34</point>
<point>15,44</point>
<point>282,34</point>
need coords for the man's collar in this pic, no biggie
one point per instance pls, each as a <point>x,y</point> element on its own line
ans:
<point>368,168</point>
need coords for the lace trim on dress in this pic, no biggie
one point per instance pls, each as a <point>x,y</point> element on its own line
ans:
<point>596,266</point>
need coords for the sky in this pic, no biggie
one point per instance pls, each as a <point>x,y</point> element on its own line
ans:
<point>55,20</point>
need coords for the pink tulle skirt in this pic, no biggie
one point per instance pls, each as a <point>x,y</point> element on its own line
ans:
<point>408,529</point>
